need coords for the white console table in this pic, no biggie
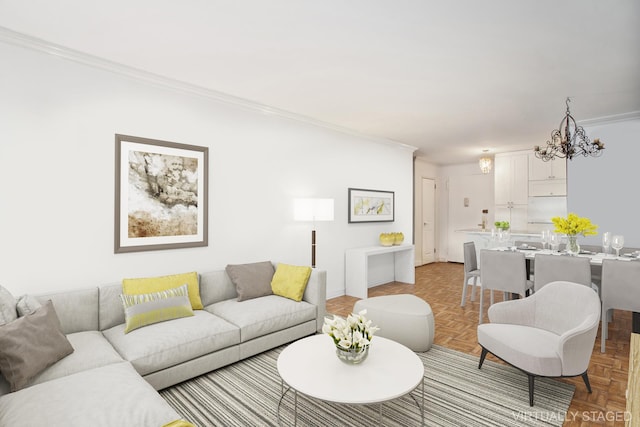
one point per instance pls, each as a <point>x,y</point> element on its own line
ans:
<point>357,261</point>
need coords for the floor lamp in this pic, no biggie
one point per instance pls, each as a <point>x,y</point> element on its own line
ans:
<point>313,210</point>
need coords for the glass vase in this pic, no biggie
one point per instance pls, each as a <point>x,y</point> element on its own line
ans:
<point>573,247</point>
<point>352,356</point>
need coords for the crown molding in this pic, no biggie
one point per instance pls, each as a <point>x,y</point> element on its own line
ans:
<point>605,120</point>
<point>19,39</point>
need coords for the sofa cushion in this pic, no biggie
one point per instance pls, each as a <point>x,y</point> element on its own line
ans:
<point>30,344</point>
<point>91,350</point>
<point>290,281</point>
<point>166,344</point>
<point>216,286</point>
<point>251,280</point>
<point>110,311</point>
<point>262,316</point>
<point>77,310</point>
<point>8,311</point>
<point>27,304</point>
<point>146,309</point>
<point>109,396</point>
<point>160,283</point>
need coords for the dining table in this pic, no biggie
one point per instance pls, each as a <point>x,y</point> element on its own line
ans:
<point>595,258</point>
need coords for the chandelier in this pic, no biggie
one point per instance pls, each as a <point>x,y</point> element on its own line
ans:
<point>485,163</point>
<point>568,141</point>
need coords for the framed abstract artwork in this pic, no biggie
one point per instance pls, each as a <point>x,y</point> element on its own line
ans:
<point>371,205</point>
<point>161,195</point>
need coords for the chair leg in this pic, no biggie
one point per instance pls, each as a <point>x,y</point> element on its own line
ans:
<point>473,289</point>
<point>531,381</point>
<point>464,290</point>
<point>585,378</point>
<point>481,304</point>
<point>604,330</point>
<point>482,357</point>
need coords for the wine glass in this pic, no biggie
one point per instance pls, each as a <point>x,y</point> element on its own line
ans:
<point>617,242</point>
<point>554,241</point>
<point>545,238</point>
<point>606,242</point>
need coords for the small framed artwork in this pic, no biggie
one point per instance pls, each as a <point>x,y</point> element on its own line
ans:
<point>371,205</point>
<point>160,195</point>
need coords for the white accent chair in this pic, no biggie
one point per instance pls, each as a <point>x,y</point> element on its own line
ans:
<point>553,268</point>
<point>471,271</point>
<point>504,271</point>
<point>620,290</point>
<point>549,334</point>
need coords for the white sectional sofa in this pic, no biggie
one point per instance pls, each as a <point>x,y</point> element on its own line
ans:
<point>111,378</point>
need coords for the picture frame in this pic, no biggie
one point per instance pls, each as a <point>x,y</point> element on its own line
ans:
<point>161,195</point>
<point>371,205</point>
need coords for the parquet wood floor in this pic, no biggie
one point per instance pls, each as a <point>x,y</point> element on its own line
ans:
<point>440,284</point>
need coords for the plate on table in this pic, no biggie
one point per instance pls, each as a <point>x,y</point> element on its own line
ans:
<point>586,253</point>
<point>527,248</point>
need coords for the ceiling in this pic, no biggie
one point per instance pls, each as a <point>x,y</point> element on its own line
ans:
<point>450,77</point>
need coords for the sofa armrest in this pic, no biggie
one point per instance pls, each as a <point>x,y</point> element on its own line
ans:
<point>316,294</point>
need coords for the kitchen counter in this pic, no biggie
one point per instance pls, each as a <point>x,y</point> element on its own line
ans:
<point>525,234</point>
<point>483,240</point>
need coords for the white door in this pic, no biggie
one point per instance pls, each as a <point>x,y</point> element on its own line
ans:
<point>428,220</point>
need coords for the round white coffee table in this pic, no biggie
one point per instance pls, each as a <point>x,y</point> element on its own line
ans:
<point>310,366</point>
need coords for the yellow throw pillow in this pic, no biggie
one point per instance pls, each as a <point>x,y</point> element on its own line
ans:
<point>290,281</point>
<point>148,285</point>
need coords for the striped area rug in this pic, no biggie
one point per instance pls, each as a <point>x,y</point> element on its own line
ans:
<point>456,394</point>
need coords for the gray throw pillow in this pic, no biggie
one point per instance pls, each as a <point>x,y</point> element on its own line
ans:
<point>27,304</point>
<point>251,280</point>
<point>31,344</point>
<point>8,311</point>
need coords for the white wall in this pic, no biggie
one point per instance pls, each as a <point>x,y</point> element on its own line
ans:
<point>604,189</point>
<point>58,120</point>
<point>480,196</point>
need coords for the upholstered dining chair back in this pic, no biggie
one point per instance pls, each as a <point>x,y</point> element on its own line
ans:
<point>620,290</point>
<point>470,271</point>
<point>552,268</point>
<point>502,271</point>
<point>470,258</point>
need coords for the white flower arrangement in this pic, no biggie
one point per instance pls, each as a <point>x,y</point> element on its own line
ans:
<point>355,332</point>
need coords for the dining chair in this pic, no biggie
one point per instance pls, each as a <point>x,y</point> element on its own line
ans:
<point>549,334</point>
<point>471,271</point>
<point>550,268</point>
<point>620,290</point>
<point>502,271</point>
<point>596,270</point>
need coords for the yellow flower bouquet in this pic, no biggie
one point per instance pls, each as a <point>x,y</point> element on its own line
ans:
<point>573,225</point>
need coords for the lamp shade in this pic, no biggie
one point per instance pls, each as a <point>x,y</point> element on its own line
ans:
<point>313,209</point>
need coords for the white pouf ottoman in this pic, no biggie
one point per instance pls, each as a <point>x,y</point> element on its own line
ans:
<point>403,318</point>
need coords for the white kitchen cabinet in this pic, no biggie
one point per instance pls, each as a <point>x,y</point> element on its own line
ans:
<point>511,178</point>
<point>548,187</point>
<point>512,188</point>
<point>552,169</point>
<point>547,178</point>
